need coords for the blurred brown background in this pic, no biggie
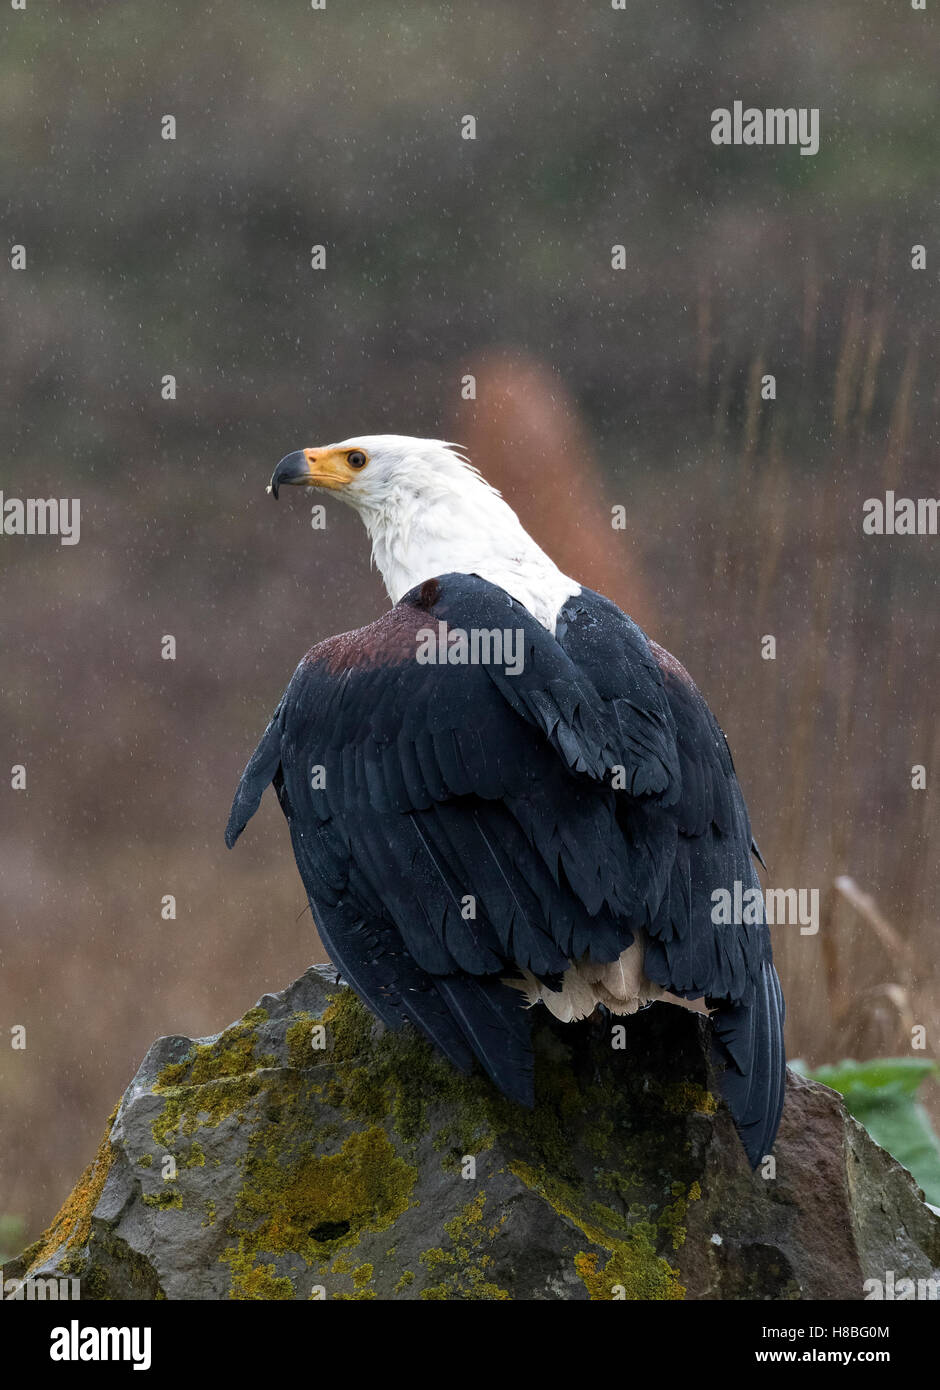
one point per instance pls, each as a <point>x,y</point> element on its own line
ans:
<point>594,387</point>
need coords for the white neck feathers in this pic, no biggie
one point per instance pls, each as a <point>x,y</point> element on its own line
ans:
<point>442,528</point>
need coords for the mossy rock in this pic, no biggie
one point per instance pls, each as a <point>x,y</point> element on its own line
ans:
<point>305,1152</point>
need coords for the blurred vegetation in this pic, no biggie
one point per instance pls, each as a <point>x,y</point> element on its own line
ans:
<point>12,1231</point>
<point>192,257</point>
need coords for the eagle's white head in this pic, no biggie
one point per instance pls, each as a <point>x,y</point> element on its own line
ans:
<point>430,512</point>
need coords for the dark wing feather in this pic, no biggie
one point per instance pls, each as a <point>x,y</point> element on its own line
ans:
<point>707,846</point>
<point>259,774</point>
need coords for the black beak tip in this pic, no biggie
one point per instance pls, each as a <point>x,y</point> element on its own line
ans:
<point>291,469</point>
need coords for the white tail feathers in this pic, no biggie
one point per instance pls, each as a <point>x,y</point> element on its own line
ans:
<point>622,986</point>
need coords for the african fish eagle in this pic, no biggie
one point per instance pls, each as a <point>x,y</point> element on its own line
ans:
<point>502,793</point>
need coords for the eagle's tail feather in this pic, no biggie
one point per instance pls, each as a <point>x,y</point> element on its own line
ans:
<point>748,1044</point>
<point>496,1024</point>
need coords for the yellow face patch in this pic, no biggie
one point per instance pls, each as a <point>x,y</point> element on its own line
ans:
<point>334,468</point>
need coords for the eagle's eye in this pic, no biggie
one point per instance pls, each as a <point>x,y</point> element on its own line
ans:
<point>356,459</point>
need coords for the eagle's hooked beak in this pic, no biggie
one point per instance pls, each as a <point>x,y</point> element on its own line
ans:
<point>311,468</point>
<point>293,468</point>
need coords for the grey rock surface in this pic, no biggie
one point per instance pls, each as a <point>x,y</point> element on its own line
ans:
<point>306,1153</point>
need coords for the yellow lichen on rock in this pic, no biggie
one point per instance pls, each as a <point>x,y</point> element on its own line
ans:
<point>313,1203</point>
<point>633,1269</point>
<point>213,1081</point>
<point>72,1223</point>
<point>683,1097</point>
<point>463,1270</point>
